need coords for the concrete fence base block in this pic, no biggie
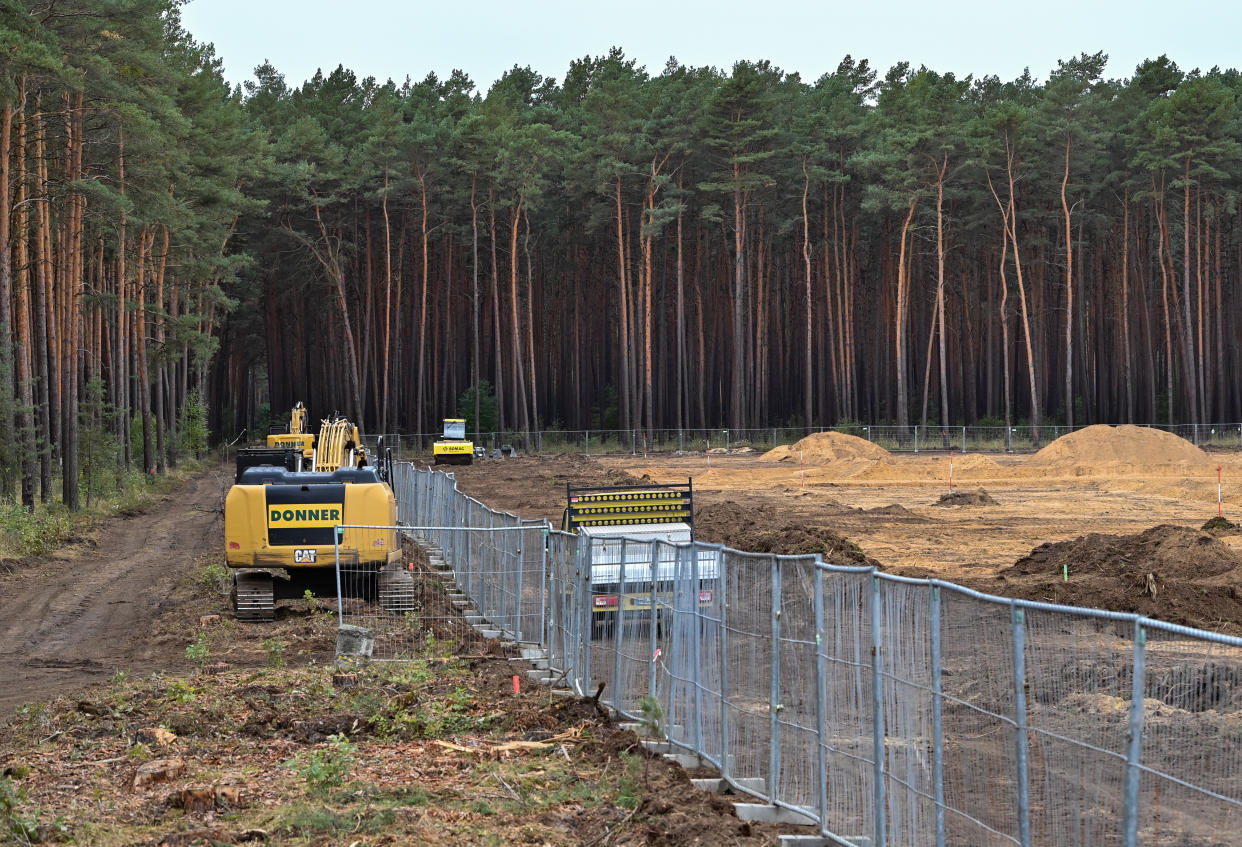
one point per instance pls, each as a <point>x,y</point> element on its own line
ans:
<point>689,761</point>
<point>824,841</point>
<point>718,785</point>
<point>764,813</point>
<point>354,642</point>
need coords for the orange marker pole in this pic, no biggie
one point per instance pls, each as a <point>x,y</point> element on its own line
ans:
<point>517,686</point>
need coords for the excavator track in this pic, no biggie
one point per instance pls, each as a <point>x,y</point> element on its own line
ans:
<point>254,596</point>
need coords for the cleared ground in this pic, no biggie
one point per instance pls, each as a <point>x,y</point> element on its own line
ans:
<point>842,496</point>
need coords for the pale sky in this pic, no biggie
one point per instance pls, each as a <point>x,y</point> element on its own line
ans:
<point>395,39</point>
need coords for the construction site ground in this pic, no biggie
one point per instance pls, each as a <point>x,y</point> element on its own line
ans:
<point>127,632</point>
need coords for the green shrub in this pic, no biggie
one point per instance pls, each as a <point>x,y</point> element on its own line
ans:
<point>326,768</point>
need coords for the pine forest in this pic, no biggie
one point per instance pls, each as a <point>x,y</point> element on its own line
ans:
<point>620,248</point>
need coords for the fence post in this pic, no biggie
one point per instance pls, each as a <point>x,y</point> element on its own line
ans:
<point>963,439</point>
<point>1134,753</point>
<point>681,441</point>
<point>877,713</point>
<point>653,557</point>
<point>916,438</point>
<point>582,590</point>
<point>937,714</point>
<point>1017,618</point>
<point>696,644</point>
<point>774,693</point>
<point>821,697</point>
<point>726,765</point>
<point>543,582</point>
<point>618,627</point>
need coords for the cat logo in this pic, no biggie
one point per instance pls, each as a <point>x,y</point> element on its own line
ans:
<point>304,556</point>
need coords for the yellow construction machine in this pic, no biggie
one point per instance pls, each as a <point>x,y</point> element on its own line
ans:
<point>296,435</point>
<point>453,448</point>
<point>282,524</point>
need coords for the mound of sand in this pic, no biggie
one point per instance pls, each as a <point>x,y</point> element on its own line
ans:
<point>1100,445</point>
<point>975,463</point>
<point>820,448</point>
<point>962,497</point>
<point>1173,573</point>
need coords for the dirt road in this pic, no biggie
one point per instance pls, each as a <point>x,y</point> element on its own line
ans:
<point>79,617</point>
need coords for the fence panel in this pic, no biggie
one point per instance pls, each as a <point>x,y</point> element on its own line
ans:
<point>1191,756</point>
<point>900,710</point>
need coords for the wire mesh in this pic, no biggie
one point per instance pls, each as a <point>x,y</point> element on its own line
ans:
<point>906,711</point>
<point>1191,786</point>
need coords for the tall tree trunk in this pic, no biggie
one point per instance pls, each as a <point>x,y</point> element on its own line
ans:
<point>1164,294</point>
<point>519,372</point>
<point>1188,341</point>
<point>74,144</point>
<point>385,421</point>
<point>944,378</point>
<point>498,338</point>
<point>8,444</point>
<point>26,342</point>
<point>474,302</point>
<point>807,377</point>
<point>1026,320</point>
<point>903,402</point>
<point>420,392</point>
<point>624,308</point>
<point>1125,307</point>
<point>530,326</point>
<point>683,399</point>
<point>1069,294</point>
<point>737,379</point>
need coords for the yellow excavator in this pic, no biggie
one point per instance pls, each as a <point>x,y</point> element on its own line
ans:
<point>284,514</point>
<point>295,436</point>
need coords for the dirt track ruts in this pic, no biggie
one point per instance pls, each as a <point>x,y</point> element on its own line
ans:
<point>79,617</point>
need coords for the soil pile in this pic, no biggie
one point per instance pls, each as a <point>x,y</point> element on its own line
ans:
<point>820,448</point>
<point>1171,573</point>
<point>762,529</point>
<point>961,497</point>
<point>1106,446</point>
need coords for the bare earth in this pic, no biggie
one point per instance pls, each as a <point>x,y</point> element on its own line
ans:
<point>858,504</point>
<point>77,617</point>
<point>1122,508</point>
<point>121,601</point>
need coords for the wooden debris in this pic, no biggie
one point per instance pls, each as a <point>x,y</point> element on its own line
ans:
<point>194,801</point>
<point>200,800</point>
<point>159,770</point>
<point>154,736</point>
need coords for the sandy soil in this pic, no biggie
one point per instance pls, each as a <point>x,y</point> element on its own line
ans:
<point>79,616</point>
<point>1112,482</point>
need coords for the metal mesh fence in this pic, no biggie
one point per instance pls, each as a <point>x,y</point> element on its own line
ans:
<point>1019,438</point>
<point>903,711</point>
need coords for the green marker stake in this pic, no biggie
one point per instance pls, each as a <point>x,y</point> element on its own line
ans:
<point>1065,571</point>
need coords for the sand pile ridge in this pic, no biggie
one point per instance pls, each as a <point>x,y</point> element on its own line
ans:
<point>1102,446</point>
<point>820,448</point>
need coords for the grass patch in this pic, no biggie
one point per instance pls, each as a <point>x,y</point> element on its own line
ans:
<point>50,527</point>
